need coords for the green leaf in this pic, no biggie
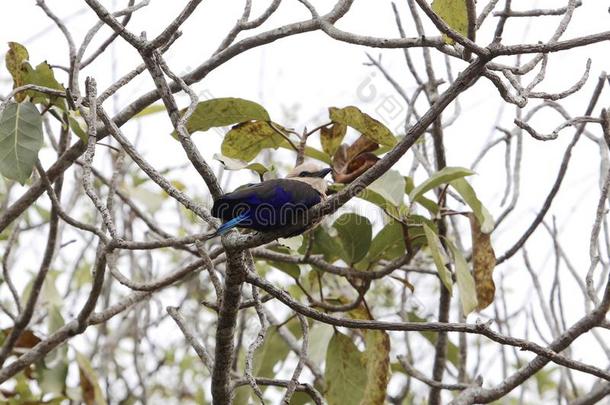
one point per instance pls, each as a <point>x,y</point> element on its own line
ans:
<point>50,295</point>
<point>149,199</point>
<point>443,176</point>
<point>55,321</point>
<point>22,388</point>
<point>545,380</point>
<point>91,391</point>
<point>82,276</point>
<point>236,164</point>
<point>345,372</point>
<point>438,255</point>
<point>367,195</point>
<point>331,137</point>
<point>355,233</point>
<point>453,352</point>
<point>454,13</point>
<point>370,196</point>
<point>43,76</point>
<point>53,369</point>
<point>151,109</point>
<point>428,204</point>
<point>52,380</point>
<point>312,153</point>
<point>390,186</point>
<point>300,398</point>
<point>78,125</point>
<point>481,213</point>
<point>319,338</point>
<point>242,395</point>
<point>220,112</point>
<point>465,281</point>
<point>274,349</point>
<point>363,123</point>
<point>388,244</point>
<point>293,243</point>
<point>292,269</point>
<point>417,235</point>
<point>323,244</point>
<point>20,140</point>
<point>245,141</point>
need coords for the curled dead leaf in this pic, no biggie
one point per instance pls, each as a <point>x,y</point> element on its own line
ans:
<point>26,340</point>
<point>361,145</point>
<point>483,262</point>
<point>351,161</point>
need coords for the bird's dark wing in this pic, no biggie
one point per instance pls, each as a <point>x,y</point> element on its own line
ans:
<point>225,206</point>
<point>268,197</point>
<point>264,190</point>
<point>300,192</point>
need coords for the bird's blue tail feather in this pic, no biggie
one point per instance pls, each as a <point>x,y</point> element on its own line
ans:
<point>224,228</point>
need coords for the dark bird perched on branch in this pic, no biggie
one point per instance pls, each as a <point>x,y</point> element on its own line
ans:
<point>273,204</point>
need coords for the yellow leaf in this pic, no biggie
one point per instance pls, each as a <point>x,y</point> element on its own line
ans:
<point>244,141</point>
<point>331,137</point>
<point>376,357</point>
<point>15,58</point>
<point>454,13</point>
<point>363,123</point>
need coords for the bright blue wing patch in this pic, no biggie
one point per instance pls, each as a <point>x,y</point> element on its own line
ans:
<point>224,228</point>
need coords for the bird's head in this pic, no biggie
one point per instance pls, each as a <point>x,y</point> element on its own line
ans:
<point>311,174</point>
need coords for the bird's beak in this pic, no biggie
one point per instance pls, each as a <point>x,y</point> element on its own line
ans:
<point>322,173</point>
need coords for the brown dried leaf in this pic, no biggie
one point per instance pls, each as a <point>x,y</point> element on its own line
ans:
<point>483,261</point>
<point>27,340</point>
<point>361,145</point>
<point>90,388</point>
<point>355,168</point>
<point>349,162</point>
<point>361,162</point>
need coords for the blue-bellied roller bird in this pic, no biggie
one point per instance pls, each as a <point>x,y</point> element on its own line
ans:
<point>273,204</point>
